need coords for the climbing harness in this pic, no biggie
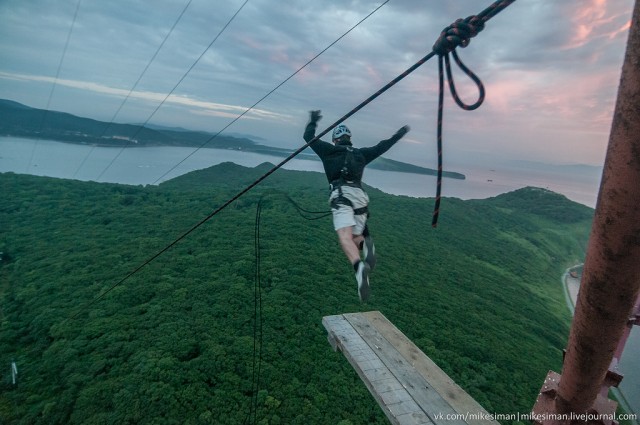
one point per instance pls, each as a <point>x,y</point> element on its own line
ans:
<point>346,179</point>
<point>340,199</point>
<point>349,166</point>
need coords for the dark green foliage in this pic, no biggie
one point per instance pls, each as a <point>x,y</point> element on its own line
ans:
<point>544,203</point>
<point>174,344</point>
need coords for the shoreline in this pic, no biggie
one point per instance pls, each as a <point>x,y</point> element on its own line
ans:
<point>381,163</point>
<point>139,166</point>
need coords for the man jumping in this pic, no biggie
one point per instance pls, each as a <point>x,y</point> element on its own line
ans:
<point>344,166</point>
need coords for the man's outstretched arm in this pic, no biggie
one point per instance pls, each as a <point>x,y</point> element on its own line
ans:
<point>384,145</point>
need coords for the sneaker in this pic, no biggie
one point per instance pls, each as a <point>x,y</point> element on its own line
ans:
<point>362,276</point>
<point>369,252</point>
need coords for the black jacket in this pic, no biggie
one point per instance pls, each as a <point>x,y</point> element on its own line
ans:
<point>333,156</point>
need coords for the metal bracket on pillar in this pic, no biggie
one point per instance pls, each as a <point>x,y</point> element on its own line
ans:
<point>613,376</point>
<point>544,410</point>
<point>545,403</point>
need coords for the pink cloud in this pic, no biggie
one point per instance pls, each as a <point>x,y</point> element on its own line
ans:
<point>593,20</point>
<point>578,102</point>
<point>279,56</point>
<point>503,95</point>
<point>315,72</point>
<point>373,74</point>
<point>249,42</point>
<point>622,29</point>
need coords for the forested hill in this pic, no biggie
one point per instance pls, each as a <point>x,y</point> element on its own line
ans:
<point>20,120</point>
<point>176,342</point>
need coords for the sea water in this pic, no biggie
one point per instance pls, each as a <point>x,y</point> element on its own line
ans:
<point>153,165</point>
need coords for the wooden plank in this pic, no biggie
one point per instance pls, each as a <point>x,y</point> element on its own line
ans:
<point>420,390</point>
<point>410,388</point>
<point>457,398</point>
<point>395,401</point>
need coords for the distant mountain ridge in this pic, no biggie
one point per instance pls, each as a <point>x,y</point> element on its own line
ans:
<point>20,120</point>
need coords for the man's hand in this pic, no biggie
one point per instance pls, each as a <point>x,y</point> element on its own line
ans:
<point>315,116</point>
<point>404,130</point>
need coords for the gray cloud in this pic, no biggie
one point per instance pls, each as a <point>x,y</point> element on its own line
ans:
<point>546,65</point>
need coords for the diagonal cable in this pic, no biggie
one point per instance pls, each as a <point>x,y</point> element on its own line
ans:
<point>55,82</point>
<point>142,126</point>
<point>134,86</point>
<point>261,179</point>
<point>269,93</point>
<point>436,51</point>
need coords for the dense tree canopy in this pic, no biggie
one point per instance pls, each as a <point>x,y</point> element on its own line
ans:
<point>175,343</point>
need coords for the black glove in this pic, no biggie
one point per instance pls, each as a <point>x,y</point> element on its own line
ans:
<point>315,116</point>
<point>404,130</point>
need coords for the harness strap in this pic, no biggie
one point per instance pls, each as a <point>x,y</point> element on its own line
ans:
<point>360,211</point>
<point>343,200</point>
<point>338,183</point>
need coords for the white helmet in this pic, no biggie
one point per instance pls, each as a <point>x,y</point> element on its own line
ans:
<point>340,131</point>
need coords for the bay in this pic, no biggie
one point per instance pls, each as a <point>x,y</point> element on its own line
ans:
<point>148,165</point>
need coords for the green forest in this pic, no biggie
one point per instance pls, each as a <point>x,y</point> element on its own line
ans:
<point>175,343</point>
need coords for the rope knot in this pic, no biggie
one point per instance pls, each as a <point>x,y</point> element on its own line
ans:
<point>458,34</point>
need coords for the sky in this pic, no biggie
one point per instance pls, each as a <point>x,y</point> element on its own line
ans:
<point>550,68</point>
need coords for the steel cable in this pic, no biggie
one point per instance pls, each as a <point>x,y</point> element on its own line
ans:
<point>447,35</point>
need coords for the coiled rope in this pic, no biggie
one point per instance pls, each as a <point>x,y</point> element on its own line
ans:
<point>457,34</point>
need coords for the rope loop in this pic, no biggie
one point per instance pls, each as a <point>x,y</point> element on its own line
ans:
<point>457,34</point>
<point>471,75</point>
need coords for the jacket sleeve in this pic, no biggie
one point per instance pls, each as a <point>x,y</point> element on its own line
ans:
<point>310,131</point>
<point>319,146</point>
<point>384,145</point>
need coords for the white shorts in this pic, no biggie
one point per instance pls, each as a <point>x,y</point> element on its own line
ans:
<point>343,216</point>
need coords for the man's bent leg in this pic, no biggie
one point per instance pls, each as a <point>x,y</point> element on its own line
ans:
<point>350,248</point>
<point>358,239</point>
<point>348,244</point>
<point>364,241</point>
